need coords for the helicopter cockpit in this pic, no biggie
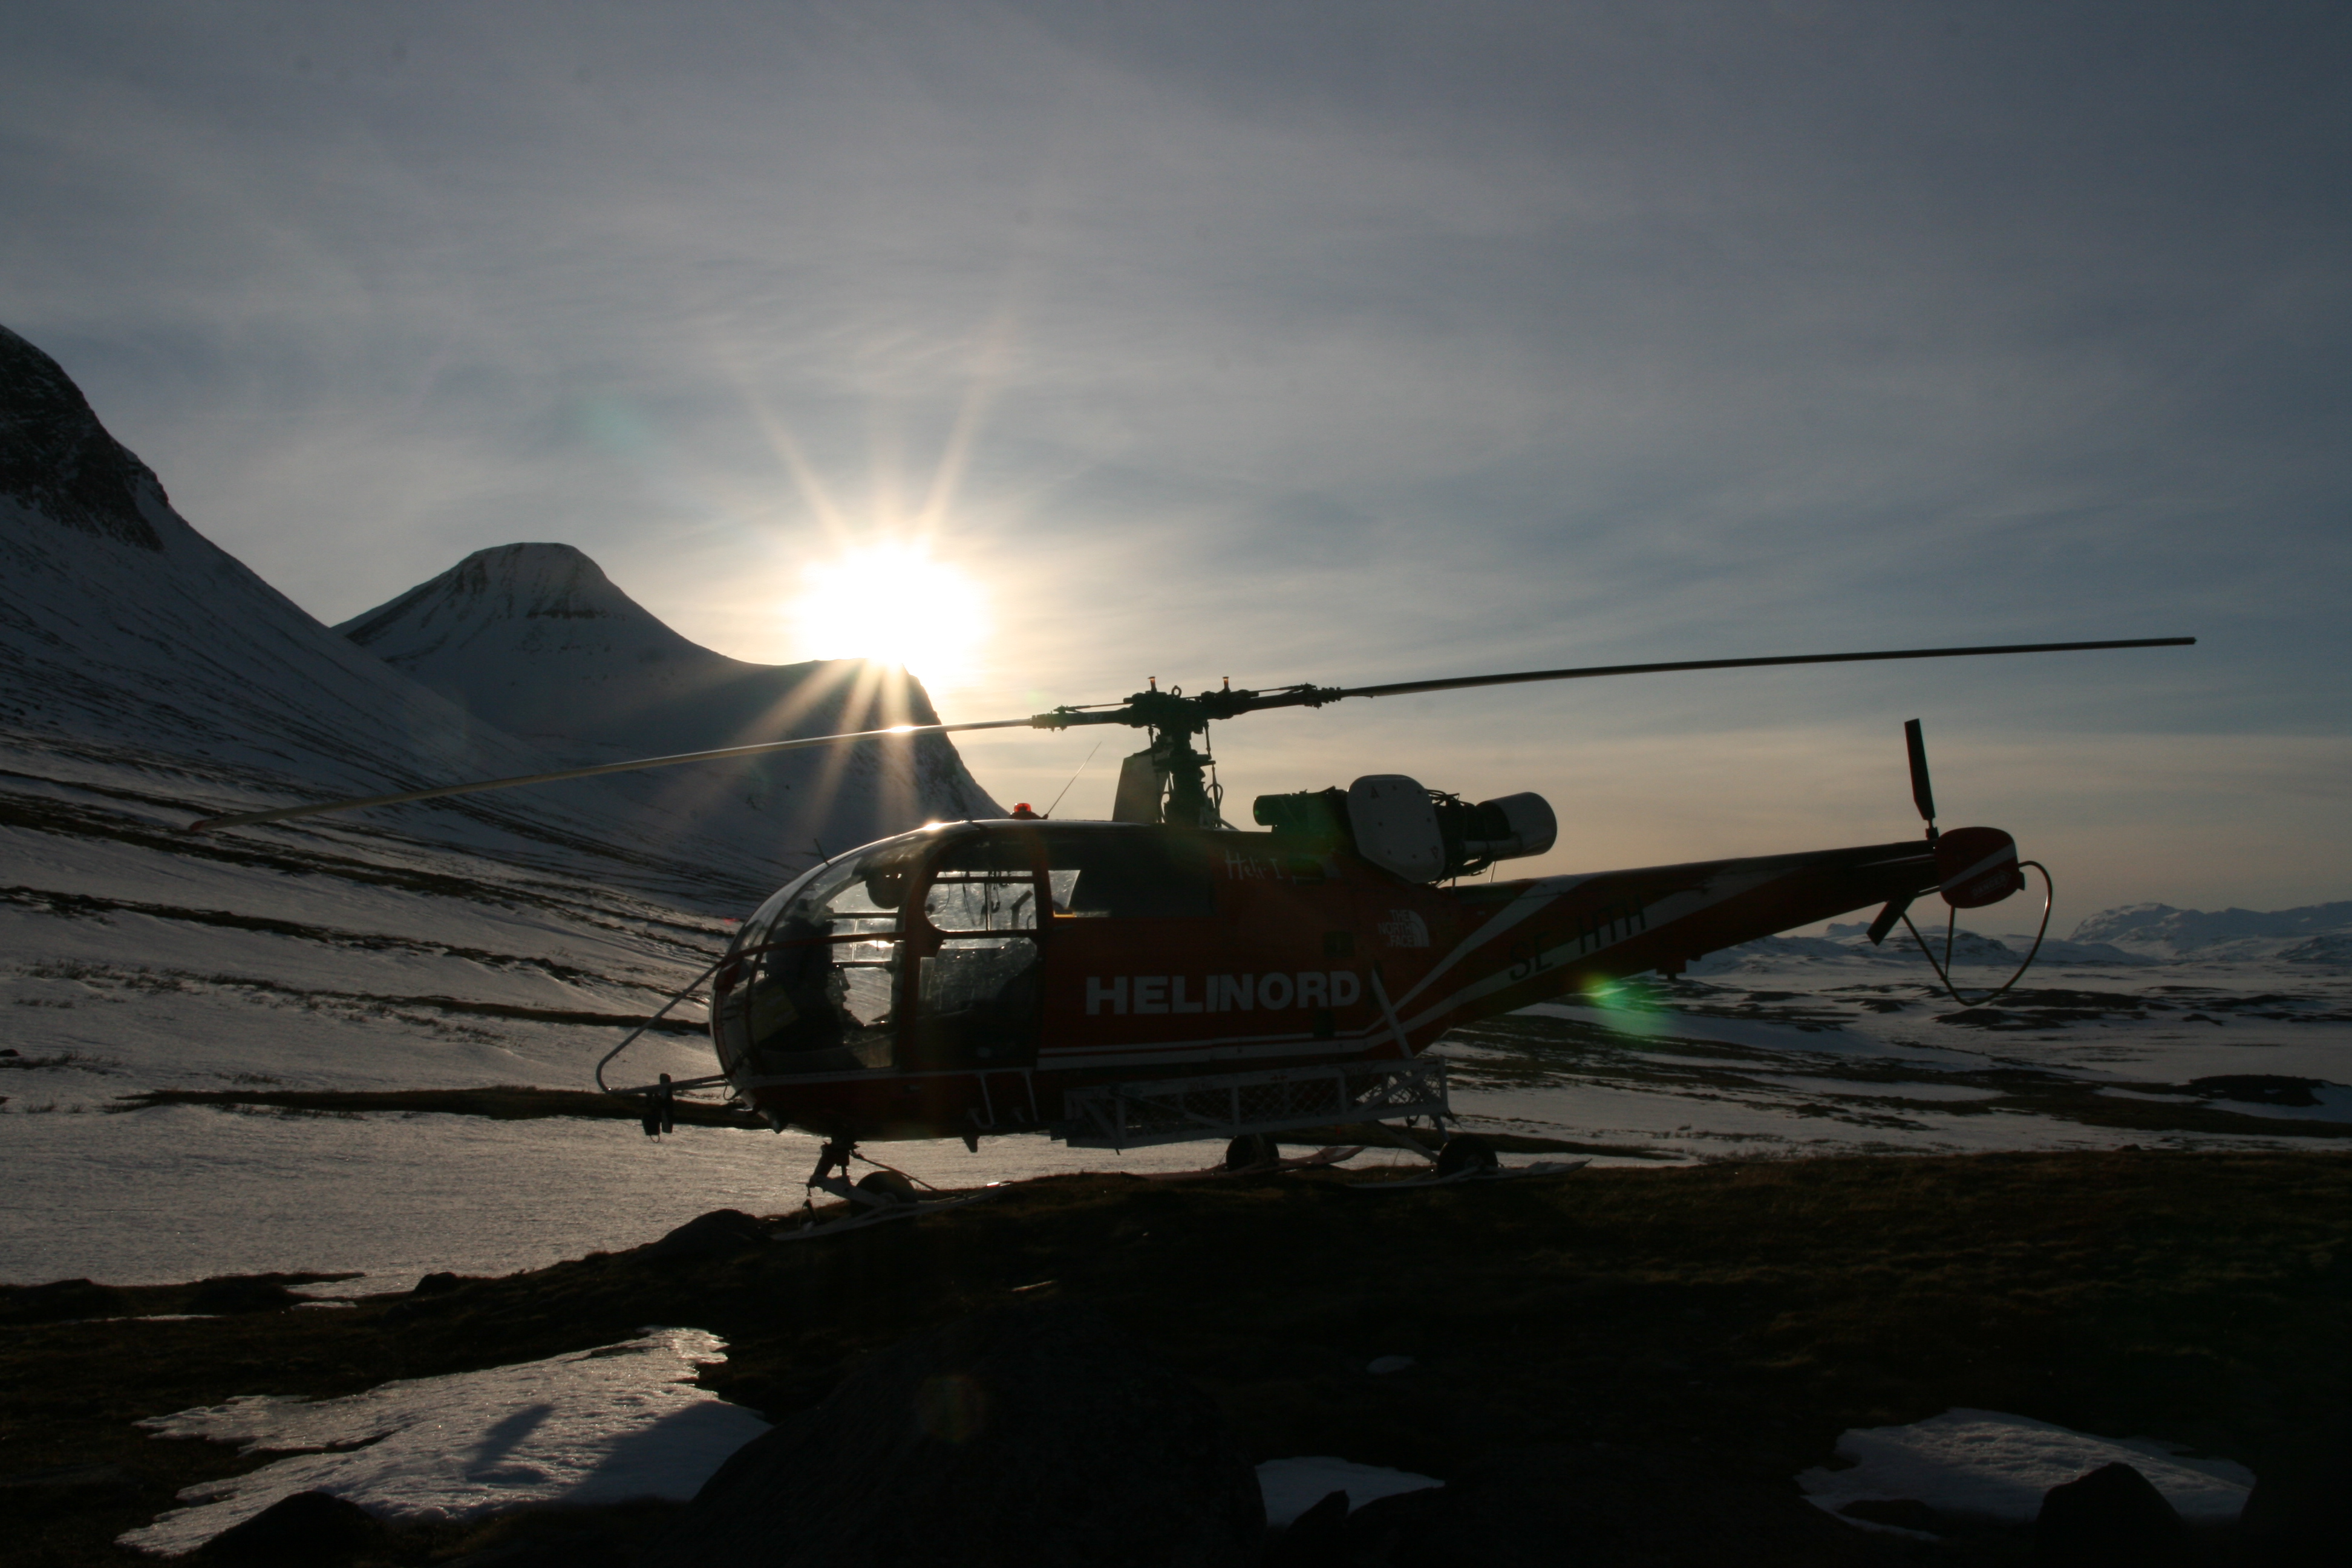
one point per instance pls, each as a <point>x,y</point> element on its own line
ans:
<point>937,930</point>
<point>811,976</point>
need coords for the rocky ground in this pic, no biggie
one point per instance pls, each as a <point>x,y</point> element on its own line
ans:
<point>1663,1348</point>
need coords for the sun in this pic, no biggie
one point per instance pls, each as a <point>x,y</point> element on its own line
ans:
<point>893,603</point>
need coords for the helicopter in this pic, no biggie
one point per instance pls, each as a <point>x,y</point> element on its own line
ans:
<point>1164,976</point>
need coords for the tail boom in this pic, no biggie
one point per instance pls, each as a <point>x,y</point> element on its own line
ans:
<point>1550,936</point>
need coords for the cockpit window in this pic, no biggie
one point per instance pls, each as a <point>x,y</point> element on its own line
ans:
<point>985,885</point>
<point>868,887</point>
<point>820,963</point>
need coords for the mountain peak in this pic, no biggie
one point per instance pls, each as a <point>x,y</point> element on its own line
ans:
<point>503,584</point>
<point>546,581</point>
<point>56,459</point>
<point>536,640</point>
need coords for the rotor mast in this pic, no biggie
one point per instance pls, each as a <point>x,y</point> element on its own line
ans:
<point>1170,721</point>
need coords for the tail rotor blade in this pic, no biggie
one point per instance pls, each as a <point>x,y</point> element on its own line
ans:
<point>1922,796</point>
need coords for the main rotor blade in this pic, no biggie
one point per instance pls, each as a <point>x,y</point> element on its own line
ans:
<point>1317,697</point>
<point>285,813</point>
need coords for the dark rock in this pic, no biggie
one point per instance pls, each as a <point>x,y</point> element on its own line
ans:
<point>1039,1437</point>
<point>60,1301</point>
<point>713,1234</point>
<point>1541,1508</point>
<point>2300,1511</point>
<point>237,1293</point>
<point>65,1477</point>
<point>2260,1088</point>
<point>1903,1513</point>
<point>58,459</point>
<point>2112,1516</point>
<point>575,1550</point>
<point>1466,1151</point>
<point>889,1186</point>
<point>308,1529</point>
<point>1316,1539</point>
<point>439,1284</point>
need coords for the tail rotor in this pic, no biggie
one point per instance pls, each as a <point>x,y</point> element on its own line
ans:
<point>1974,866</point>
<point>1923,795</point>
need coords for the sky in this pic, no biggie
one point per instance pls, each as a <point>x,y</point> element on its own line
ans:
<point>1346,341</point>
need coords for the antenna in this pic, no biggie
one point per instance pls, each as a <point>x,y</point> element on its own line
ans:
<point>1074,778</point>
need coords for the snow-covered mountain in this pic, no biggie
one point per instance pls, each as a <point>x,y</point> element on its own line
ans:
<point>2315,932</point>
<point>121,624</point>
<point>535,641</point>
<point>138,657</point>
<point>147,678</point>
<point>134,652</point>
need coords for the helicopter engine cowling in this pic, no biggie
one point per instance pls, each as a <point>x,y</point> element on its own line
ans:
<point>1509,828</point>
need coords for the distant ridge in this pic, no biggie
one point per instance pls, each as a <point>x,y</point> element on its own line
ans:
<point>2133,934</point>
<point>537,641</point>
<point>2160,931</point>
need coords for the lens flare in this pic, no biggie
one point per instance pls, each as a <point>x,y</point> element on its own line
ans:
<point>1627,1009</point>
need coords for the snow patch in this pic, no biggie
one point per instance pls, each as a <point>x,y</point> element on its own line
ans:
<point>602,1426</point>
<point>1984,1464</point>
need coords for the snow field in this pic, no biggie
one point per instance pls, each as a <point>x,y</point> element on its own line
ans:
<point>183,1193</point>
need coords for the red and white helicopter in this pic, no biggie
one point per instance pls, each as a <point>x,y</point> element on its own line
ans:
<point>1164,976</point>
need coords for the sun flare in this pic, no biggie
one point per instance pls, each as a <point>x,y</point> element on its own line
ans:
<point>893,603</point>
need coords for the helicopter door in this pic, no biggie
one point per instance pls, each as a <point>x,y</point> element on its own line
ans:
<point>978,992</point>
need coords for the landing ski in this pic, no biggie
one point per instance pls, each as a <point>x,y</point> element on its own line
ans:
<point>1318,1159</point>
<point>815,1229</point>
